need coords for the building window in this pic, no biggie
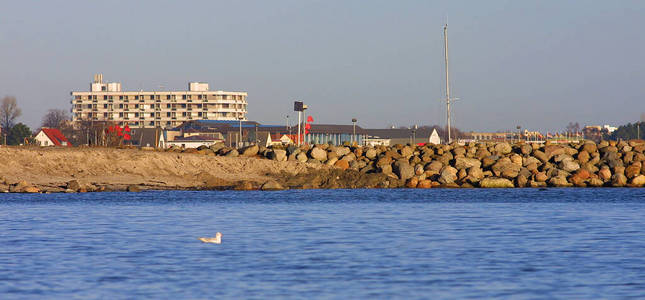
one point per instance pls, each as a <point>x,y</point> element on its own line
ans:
<point>104,105</point>
<point>167,105</point>
<point>183,105</point>
<point>126,97</point>
<point>121,97</point>
<point>152,97</point>
<point>183,114</point>
<point>136,97</point>
<point>167,97</point>
<point>110,97</point>
<point>183,97</point>
<point>168,114</point>
<point>136,106</point>
<point>199,97</point>
<point>120,105</point>
<point>120,115</point>
<point>199,114</point>
<point>152,115</point>
<point>104,97</point>
<point>136,115</point>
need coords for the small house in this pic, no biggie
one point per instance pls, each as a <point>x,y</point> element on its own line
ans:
<point>51,137</point>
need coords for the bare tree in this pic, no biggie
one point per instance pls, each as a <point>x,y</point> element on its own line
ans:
<point>573,127</point>
<point>54,117</point>
<point>9,112</point>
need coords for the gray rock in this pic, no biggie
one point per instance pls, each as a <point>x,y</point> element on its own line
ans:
<point>448,175</point>
<point>569,165</point>
<point>403,169</point>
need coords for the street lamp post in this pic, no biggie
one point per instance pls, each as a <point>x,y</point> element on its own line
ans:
<point>257,140</point>
<point>414,135</point>
<point>240,140</point>
<point>354,135</point>
<point>519,134</point>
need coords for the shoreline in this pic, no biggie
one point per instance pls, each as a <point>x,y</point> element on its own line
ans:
<point>475,165</point>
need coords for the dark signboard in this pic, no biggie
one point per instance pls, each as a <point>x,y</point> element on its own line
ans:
<point>298,106</point>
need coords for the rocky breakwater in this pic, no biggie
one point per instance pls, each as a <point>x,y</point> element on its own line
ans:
<point>485,165</point>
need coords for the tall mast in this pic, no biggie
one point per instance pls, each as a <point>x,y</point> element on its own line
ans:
<point>445,41</point>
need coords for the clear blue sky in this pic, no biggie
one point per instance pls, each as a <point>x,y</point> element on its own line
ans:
<point>539,64</point>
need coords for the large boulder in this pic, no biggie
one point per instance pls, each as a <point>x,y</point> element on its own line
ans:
<point>403,169</point>
<point>250,150</point>
<point>465,163</point>
<point>370,153</point>
<point>559,181</point>
<point>618,180</point>
<point>569,165</point>
<point>604,173</point>
<point>638,180</point>
<point>342,164</point>
<point>495,182</point>
<point>318,154</point>
<point>406,151</point>
<point>232,153</point>
<point>503,148</point>
<point>448,175</point>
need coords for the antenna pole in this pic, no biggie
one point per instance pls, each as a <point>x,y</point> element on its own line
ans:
<point>445,41</point>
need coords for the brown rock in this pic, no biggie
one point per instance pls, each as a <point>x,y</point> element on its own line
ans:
<point>424,184</point>
<point>589,148</point>
<point>583,157</point>
<point>638,180</point>
<point>541,156</point>
<point>618,180</point>
<point>133,188</point>
<point>342,164</point>
<point>552,150</point>
<point>30,189</point>
<point>633,170</point>
<point>604,174</point>
<point>412,183</point>
<point>595,182</point>
<point>494,182</point>
<point>521,181</point>
<point>559,181</point>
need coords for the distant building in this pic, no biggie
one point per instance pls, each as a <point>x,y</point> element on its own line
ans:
<point>150,109</point>
<point>148,137</point>
<point>393,136</point>
<point>596,132</point>
<point>51,137</point>
<point>335,134</point>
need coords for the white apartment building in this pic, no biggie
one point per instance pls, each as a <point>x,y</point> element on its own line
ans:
<point>105,102</point>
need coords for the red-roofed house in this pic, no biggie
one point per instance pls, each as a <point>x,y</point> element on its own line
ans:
<point>51,137</point>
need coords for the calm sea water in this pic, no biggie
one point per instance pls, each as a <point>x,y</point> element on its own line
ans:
<point>518,243</point>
